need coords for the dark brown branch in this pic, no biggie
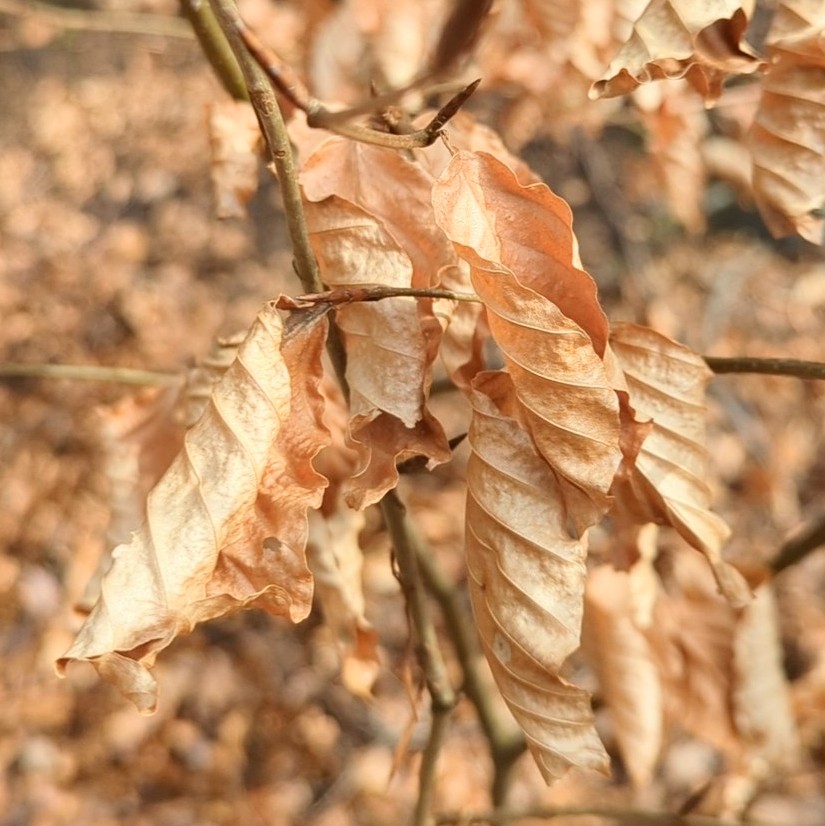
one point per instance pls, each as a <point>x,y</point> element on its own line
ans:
<point>364,293</point>
<point>770,367</point>
<point>798,547</point>
<point>408,550</point>
<point>285,80</point>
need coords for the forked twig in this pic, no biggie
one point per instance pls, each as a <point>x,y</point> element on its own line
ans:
<point>286,81</point>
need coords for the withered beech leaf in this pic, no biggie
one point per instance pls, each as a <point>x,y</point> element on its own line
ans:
<point>627,670</point>
<point>370,221</point>
<point>526,580</point>
<point>544,315</point>
<point>700,41</point>
<point>139,437</point>
<point>665,484</point>
<point>226,525</point>
<point>787,138</point>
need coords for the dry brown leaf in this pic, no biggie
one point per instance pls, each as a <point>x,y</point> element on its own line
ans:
<point>692,634</point>
<point>665,483</point>
<point>544,315</point>
<point>627,670</point>
<point>526,577</point>
<point>675,128</point>
<point>761,698</point>
<point>226,525</point>
<point>235,140</point>
<point>139,436</point>
<point>370,221</point>
<point>787,139</point>
<point>335,559</point>
<point>700,41</point>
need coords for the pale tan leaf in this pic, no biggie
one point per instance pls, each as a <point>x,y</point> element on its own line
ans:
<point>544,315</point>
<point>526,576</point>
<point>676,126</point>
<point>226,525</point>
<point>761,698</point>
<point>139,437</point>
<point>202,378</point>
<point>335,559</point>
<point>370,221</point>
<point>700,40</point>
<point>235,140</point>
<point>666,482</point>
<point>627,670</point>
<point>787,139</point>
<point>692,636</point>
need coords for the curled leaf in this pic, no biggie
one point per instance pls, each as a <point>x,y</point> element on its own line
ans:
<point>787,139</point>
<point>226,525</point>
<point>665,483</point>
<point>526,577</point>
<point>702,42</point>
<point>544,315</point>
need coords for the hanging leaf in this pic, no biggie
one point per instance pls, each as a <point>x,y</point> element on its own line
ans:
<point>370,221</point>
<point>787,139</point>
<point>666,483</point>
<point>526,577</point>
<point>226,525</point>
<point>702,42</point>
<point>628,674</point>
<point>543,314</point>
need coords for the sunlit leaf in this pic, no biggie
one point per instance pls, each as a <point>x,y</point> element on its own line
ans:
<point>787,139</point>
<point>666,483</point>
<point>526,576</point>
<point>700,41</point>
<point>543,314</point>
<point>226,525</point>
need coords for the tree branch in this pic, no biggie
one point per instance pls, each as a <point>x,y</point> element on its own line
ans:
<point>407,547</point>
<point>767,366</point>
<point>215,46</point>
<point>506,742</point>
<point>88,372</point>
<point>798,547</point>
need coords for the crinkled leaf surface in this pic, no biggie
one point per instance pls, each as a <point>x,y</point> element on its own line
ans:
<point>370,221</point>
<point>544,315</point>
<point>665,483</point>
<point>526,575</point>
<point>787,139</point>
<point>700,40</point>
<point>226,525</point>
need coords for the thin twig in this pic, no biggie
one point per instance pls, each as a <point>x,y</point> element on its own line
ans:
<point>443,698</point>
<point>88,372</point>
<point>367,292</point>
<point>771,367</point>
<point>630,816</point>
<point>319,117</point>
<point>798,547</point>
<point>152,25</point>
<point>506,742</point>
<point>215,47</point>
<point>273,127</point>
<point>271,121</point>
